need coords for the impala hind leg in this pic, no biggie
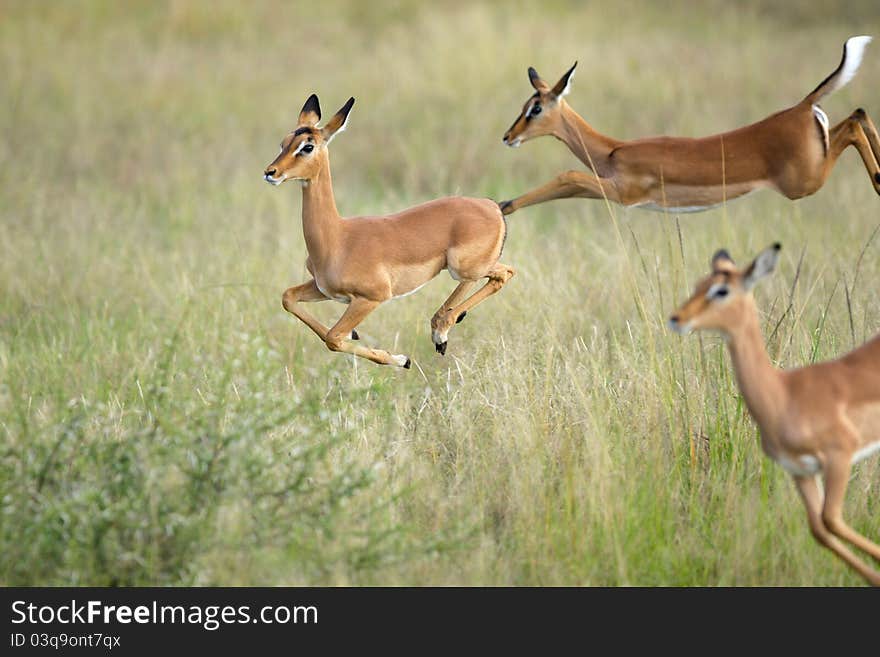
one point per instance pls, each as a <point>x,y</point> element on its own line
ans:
<point>857,130</point>
<point>812,497</point>
<point>571,184</point>
<point>447,317</point>
<point>873,139</point>
<point>336,337</point>
<point>441,317</point>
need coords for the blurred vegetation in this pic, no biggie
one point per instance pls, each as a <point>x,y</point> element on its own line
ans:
<point>163,421</point>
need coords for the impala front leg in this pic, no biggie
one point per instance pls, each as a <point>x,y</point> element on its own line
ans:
<point>354,314</point>
<point>571,184</point>
<point>812,498</point>
<point>305,292</point>
<point>836,479</point>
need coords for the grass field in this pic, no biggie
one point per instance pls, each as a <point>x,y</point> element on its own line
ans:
<point>165,422</point>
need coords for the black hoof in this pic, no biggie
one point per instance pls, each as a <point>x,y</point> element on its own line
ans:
<point>355,336</point>
<point>407,364</point>
<point>441,348</point>
<point>461,317</point>
<point>506,207</point>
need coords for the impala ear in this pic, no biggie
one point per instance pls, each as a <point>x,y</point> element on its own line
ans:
<point>722,261</point>
<point>763,265</point>
<point>310,114</point>
<point>564,85</point>
<point>537,82</point>
<point>337,123</point>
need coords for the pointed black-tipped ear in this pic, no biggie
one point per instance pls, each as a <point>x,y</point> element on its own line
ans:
<point>762,266</point>
<point>564,85</point>
<point>337,123</point>
<point>722,260</point>
<point>536,81</point>
<point>310,114</point>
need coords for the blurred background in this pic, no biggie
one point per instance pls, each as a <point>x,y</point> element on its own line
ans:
<point>164,421</point>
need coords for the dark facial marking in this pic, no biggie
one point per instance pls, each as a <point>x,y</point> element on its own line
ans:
<point>302,131</point>
<point>721,254</point>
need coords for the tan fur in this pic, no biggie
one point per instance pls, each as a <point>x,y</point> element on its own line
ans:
<point>365,261</point>
<point>785,151</point>
<point>825,412</point>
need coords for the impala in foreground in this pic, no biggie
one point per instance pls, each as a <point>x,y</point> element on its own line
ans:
<point>365,261</point>
<point>815,421</point>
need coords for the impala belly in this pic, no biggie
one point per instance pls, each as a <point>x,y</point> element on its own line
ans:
<point>410,278</point>
<point>680,198</point>
<point>802,465</point>
<point>866,451</point>
<point>685,208</point>
<point>866,418</point>
<point>406,294</point>
<point>331,295</point>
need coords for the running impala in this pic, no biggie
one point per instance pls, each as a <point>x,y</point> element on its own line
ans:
<point>365,261</point>
<point>815,420</point>
<point>792,151</point>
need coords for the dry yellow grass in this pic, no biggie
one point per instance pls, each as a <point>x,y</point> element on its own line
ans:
<point>164,421</point>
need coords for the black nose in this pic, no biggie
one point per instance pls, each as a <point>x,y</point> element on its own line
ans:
<point>270,172</point>
<point>674,319</point>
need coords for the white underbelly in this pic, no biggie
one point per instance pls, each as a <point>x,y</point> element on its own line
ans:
<point>412,291</point>
<point>866,451</point>
<point>332,297</point>
<point>802,466</point>
<point>656,207</point>
<point>806,464</point>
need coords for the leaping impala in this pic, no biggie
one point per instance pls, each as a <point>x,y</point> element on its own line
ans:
<point>816,420</point>
<point>792,151</point>
<point>364,261</point>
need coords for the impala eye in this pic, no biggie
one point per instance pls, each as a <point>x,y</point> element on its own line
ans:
<point>308,148</point>
<point>536,109</point>
<point>718,291</point>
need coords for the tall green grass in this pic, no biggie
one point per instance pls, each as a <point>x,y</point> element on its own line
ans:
<point>164,421</point>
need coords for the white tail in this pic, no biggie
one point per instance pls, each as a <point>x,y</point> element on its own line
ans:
<point>853,51</point>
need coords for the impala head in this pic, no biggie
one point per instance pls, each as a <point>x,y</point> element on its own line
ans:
<point>304,150</point>
<point>719,299</point>
<point>540,114</point>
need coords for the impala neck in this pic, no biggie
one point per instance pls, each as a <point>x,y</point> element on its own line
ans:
<point>320,218</point>
<point>759,382</point>
<point>590,147</point>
